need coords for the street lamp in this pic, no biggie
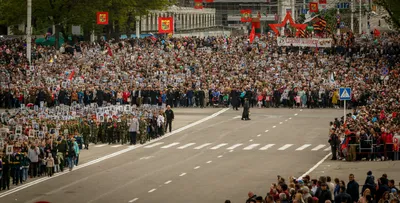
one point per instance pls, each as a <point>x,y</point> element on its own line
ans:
<point>29,31</point>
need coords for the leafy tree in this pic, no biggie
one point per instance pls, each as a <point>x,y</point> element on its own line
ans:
<point>64,13</point>
<point>393,9</point>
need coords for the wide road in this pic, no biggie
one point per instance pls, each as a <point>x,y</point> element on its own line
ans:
<point>216,158</point>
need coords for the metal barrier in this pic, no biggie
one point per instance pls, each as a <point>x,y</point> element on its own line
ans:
<point>370,150</point>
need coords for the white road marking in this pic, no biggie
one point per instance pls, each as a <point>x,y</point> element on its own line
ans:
<point>231,151</point>
<point>219,146</point>
<point>102,145</point>
<point>133,200</point>
<point>318,147</point>
<point>301,109</point>
<point>203,145</point>
<point>186,145</point>
<point>327,149</point>
<point>234,146</point>
<point>258,135</point>
<point>147,157</point>
<point>250,147</point>
<point>152,190</point>
<point>295,114</point>
<point>280,123</point>
<point>115,146</point>
<point>153,145</point>
<point>170,145</point>
<point>274,126</point>
<point>182,174</point>
<point>286,120</point>
<point>290,118</point>
<point>250,140</point>
<point>266,131</point>
<point>16,189</point>
<point>168,182</point>
<point>219,156</point>
<point>285,147</point>
<point>197,167</point>
<point>303,147</point>
<point>267,146</point>
<point>315,166</point>
<point>209,162</point>
<point>236,117</point>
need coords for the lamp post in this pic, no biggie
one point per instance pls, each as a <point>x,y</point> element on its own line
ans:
<point>29,31</point>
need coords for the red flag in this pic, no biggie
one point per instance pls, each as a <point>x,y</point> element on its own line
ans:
<point>376,33</point>
<point>102,18</point>
<point>198,4</point>
<point>313,7</point>
<point>322,1</point>
<point>209,1</point>
<point>109,51</point>
<point>246,15</point>
<point>72,75</point>
<point>252,34</point>
<point>165,24</point>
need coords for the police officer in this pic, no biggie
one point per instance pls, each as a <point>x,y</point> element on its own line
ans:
<point>169,115</point>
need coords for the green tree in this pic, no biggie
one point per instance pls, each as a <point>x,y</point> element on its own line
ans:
<point>64,13</point>
<point>393,9</point>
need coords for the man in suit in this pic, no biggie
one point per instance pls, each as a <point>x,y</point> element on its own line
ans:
<point>169,115</point>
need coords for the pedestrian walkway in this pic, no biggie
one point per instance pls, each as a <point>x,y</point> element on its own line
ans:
<point>232,146</point>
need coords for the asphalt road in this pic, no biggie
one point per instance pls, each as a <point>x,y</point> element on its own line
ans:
<point>222,157</point>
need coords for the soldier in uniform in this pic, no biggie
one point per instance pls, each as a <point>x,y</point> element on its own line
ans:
<point>94,130</point>
<point>110,131</point>
<point>142,130</point>
<point>85,133</point>
<point>124,130</point>
<point>5,178</point>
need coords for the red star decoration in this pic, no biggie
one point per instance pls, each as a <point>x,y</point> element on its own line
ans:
<point>289,18</point>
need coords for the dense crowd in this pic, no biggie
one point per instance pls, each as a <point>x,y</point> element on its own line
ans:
<point>90,85</point>
<point>326,190</point>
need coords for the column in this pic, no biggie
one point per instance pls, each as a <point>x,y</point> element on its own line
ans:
<point>191,21</point>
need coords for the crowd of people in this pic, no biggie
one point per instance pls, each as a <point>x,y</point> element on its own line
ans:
<point>110,91</point>
<point>326,190</point>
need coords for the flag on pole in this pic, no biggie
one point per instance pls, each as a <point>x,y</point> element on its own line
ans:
<point>165,24</point>
<point>71,76</point>
<point>252,34</point>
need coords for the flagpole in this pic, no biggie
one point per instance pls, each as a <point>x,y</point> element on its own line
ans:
<point>29,31</point>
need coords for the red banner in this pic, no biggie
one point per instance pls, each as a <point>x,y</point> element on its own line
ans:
<point>165,24</point>
<point>102,18</point>
<point>246,15</point>
<point>313,7</point>
<point>209,1</point>
<point>322,1</point>
<point>198,4</point>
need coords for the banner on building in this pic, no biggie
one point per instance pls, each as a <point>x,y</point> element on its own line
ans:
<point>313,7</point>
<point>304,42</point>
<point>209,1</point>
<point>322,1</point>
<point>246,15</point>
<point>165,25</point>
<point>102,18</point>
<point>198,4</point>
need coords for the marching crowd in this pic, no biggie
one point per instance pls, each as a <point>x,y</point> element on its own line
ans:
<point>151,74</point>
<point>326,190</point>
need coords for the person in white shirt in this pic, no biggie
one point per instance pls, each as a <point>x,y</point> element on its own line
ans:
<point>133,129</point>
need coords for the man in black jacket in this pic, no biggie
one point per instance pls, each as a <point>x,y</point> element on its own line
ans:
<point>353,188</point>
<point>169,116</point>
<point>343,196</point>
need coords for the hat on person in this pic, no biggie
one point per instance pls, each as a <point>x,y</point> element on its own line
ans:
<point>369,173</point>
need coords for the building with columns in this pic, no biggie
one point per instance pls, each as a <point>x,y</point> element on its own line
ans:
<point>185,19</point>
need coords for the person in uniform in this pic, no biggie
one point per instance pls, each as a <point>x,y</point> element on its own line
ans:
<point>124,130</point>
<point>86,133</point>
<point>144,135</point>
<point>169,115</point>
<point>110,131</point>
<point>246,109</point>
<point>5,178</point>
